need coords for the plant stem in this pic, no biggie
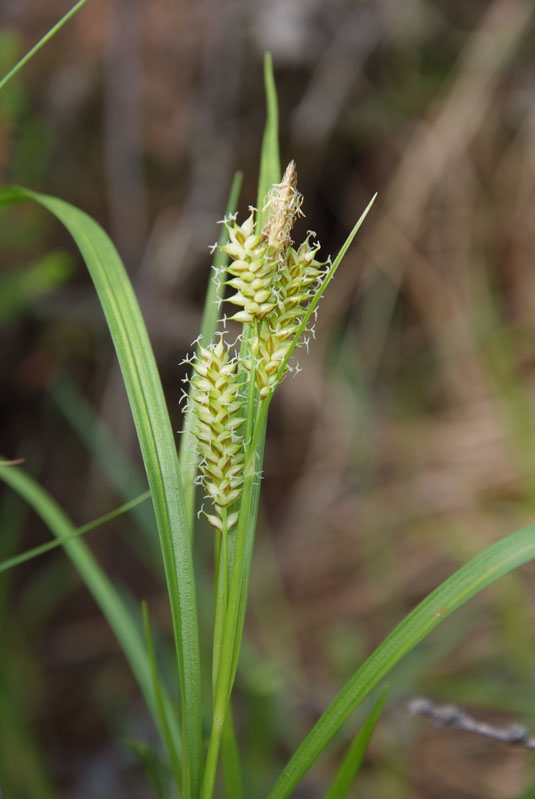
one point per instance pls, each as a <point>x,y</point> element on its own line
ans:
<point>221,595</point>
<point>230,637</point>
<point>251,398</point>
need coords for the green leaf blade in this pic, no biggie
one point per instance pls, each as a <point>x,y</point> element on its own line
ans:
<point>270,164</point>
<point>495,561</point>
<point>350,766</point>
<point>104,593</point>
<point>157,444</point>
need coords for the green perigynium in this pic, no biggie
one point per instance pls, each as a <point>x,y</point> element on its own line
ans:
<point>217,405</point>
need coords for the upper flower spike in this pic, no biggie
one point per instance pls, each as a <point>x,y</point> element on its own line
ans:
<point>256,258</point>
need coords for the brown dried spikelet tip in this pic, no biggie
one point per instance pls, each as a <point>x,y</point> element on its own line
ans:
<point>285,206</point>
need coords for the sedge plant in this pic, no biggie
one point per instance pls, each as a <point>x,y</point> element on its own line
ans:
<point>274,288</point>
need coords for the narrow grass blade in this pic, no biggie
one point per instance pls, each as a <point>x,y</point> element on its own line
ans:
<point>212,303</point>
<point>270,169</point>
<point>230,758</point>
<point>22,769</point>
<point>481,571</point>
<point>159,700</point>
<point>270,166</point>
<point>152,766</point>
<point>109,600</point>
<point>16,560</point>
<point>157,445</point>
<point>46,38</point>
<point>351,764</point>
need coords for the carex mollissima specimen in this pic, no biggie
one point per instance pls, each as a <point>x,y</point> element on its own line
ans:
<point>272,284</point>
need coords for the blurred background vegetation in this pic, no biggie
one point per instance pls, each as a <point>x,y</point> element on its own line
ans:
<point>404,446</point>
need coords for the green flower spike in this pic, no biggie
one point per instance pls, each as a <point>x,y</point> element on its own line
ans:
<point>274,283</point>
<point>217,405</point>
<point>256,259</point>
<point>297,281</point>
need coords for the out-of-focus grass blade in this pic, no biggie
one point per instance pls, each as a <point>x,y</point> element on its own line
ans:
<point>46,38</point>
<point>157,445</point>
<point>492,563</point>
<point>109,600</point>
<point>351,763</point>
<point>159,699</point>
<point>15,560</point>
<point>22,768</point>
<point>116,466</point>
<point>12,512</point>
<point>20,289</point>
<point>212,303</point>
<point>152,766</point>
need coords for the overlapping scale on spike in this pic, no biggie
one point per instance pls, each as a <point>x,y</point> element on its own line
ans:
<point>253,271</point>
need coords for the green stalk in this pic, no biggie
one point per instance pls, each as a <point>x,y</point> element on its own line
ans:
<point>229,639</point>
<point>221,596</point>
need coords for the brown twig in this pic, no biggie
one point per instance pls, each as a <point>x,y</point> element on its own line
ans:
<point>452,716</point>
